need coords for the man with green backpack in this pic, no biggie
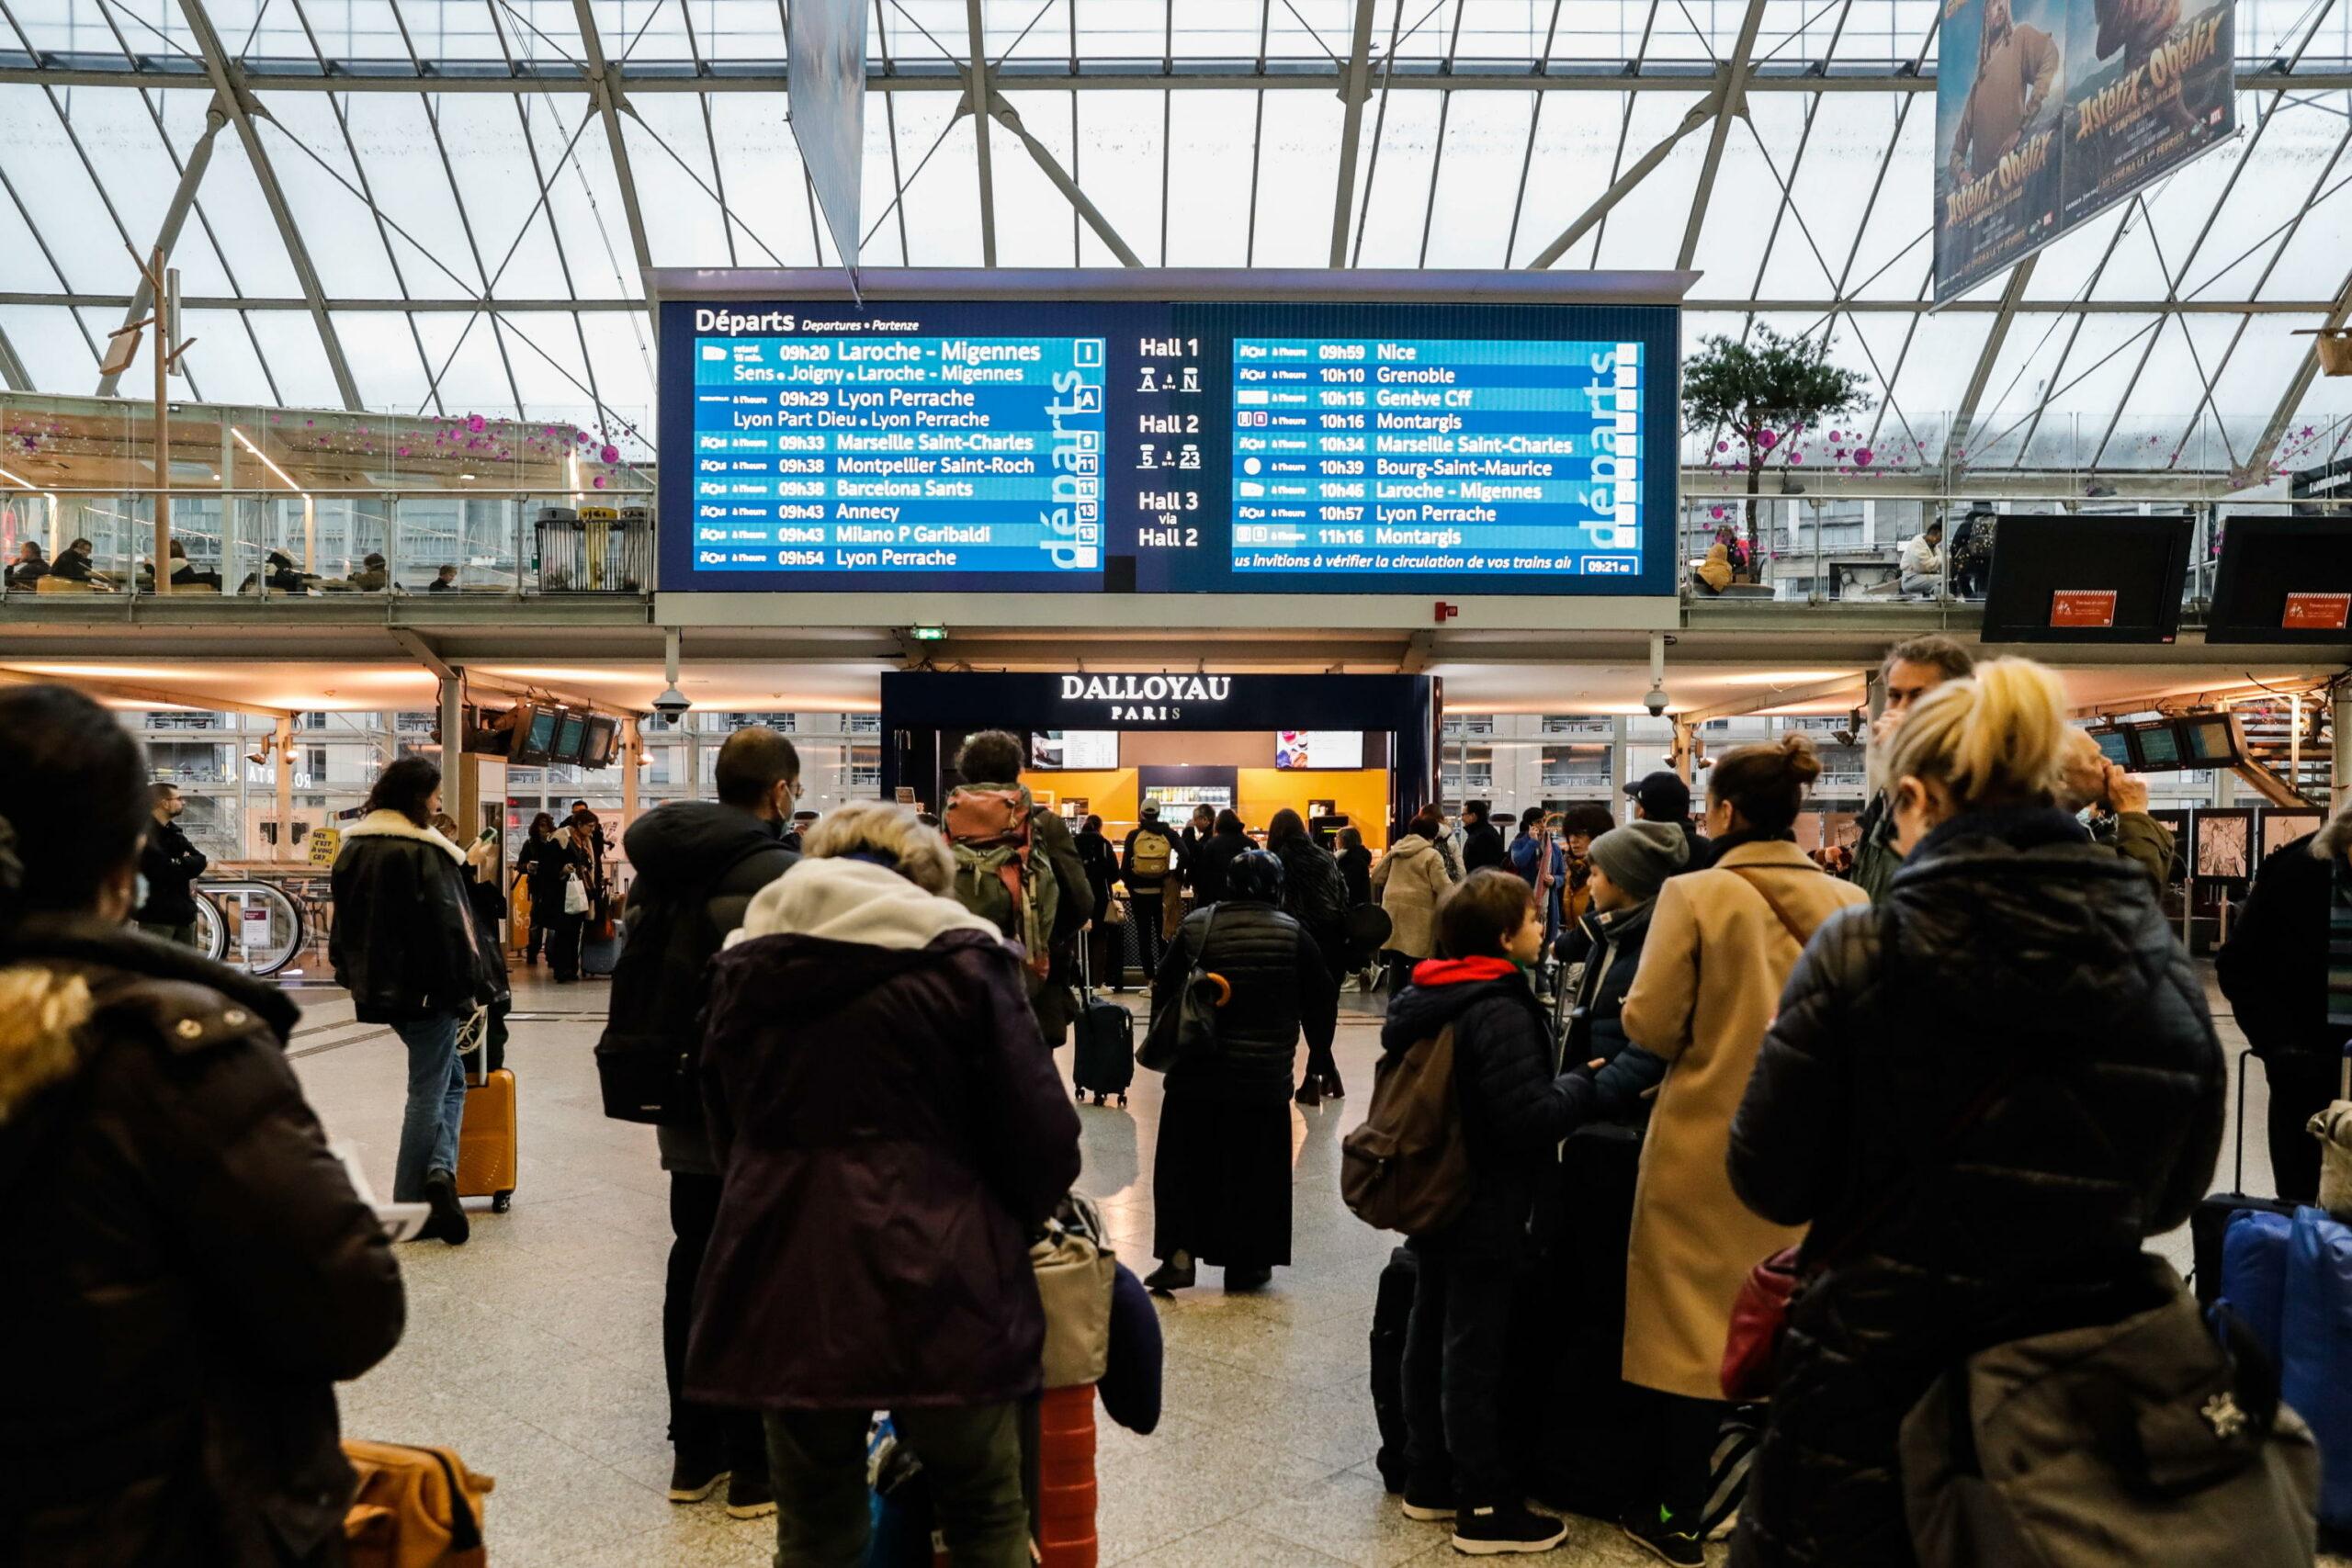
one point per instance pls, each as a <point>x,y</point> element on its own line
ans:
<point>1017,867</point>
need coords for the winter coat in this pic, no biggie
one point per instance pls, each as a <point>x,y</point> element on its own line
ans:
<point>1410,882</point>
<point>171,865</point>
<point>2146,844</point>
<point>1100,862</point>
<point>1711,970</point>
<point>405,943</point>
<point>1355,865</point>
<point>891,1129</point>
<point>1482,846</point>
<point>1280,987</point>
<point>2012,959</point>
<point>189,1272</point>
<point>2274,968</point>
<point>1210,858</point>
<point>1136,881</point>
<point>1610,948</point>
<point>1315,894</point>
<point>1526,853</point>
<point>542,865</point>
<point>698,864</point>
<point>1513,1112</point>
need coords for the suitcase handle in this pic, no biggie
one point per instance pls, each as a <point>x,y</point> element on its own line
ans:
<point>2237,1179</point>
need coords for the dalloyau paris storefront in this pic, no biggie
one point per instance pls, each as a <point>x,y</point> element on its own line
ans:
<point>1361,748</point>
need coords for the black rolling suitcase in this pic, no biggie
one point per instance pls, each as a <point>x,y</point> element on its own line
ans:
<point>2210,1219</point>
<point>1103,1063</point>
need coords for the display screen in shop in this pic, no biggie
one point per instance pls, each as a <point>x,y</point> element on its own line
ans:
<point>1169,447</point>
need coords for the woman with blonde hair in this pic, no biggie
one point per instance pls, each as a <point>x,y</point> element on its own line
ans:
<point>889,1129</point>
<point>1722,943</point>
<point>1982,1095</point>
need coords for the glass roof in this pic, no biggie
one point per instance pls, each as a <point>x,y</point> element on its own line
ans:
<point>416,206</point>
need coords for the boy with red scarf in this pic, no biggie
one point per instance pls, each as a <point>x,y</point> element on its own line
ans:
<point>1513,1112</point>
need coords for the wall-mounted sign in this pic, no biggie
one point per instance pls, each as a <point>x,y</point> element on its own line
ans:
<point>1145,699</point>
<point>325,844</point>
<point>2316,612</point>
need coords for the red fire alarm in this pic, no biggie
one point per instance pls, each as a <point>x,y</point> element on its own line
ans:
<point>1445,612</point>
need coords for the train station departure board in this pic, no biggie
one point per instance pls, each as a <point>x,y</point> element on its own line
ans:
<point>1217,446</point>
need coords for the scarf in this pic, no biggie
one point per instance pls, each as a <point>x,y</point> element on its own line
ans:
<point>2339,947</point>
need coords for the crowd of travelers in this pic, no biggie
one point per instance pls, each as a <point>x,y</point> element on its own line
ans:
<point>1946,1097</point>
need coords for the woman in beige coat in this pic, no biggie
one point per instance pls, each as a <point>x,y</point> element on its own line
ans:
<point>1408,882</point>
<point>1721,945</point>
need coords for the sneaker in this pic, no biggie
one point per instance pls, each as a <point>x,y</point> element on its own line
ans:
<point>1490,1532</point>
<point>750,1496</point>
<point>1428,1503</point>
<point>1661,1540</point>
<point>448,1222</point>
<point>1175,1274</point>
<point>693,1478</point>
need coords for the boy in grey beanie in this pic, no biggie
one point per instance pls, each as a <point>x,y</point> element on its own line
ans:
<point>1613,1077</point>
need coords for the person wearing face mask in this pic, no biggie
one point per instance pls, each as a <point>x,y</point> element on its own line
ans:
<point>1982,1095</point>
<point>1721,944</point>
<point>1910,671</point>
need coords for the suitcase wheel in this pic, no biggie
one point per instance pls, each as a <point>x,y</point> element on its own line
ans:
<point>1082,1097</point>
<point>501,1202</point>
<point>1123,1102</point>
<point>1098,1099</point>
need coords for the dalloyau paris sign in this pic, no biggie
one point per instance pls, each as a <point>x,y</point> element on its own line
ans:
<point>1146,699</point>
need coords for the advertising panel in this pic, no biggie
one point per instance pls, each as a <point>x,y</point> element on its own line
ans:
<point>2049,111</point>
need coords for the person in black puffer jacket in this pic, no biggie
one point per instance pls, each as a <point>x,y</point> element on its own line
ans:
<point>189,1270</point>
<point>1984,1093</point>
<point>407,947</point>
<point>1213,856</point>
<point>1514,1113</point>
<point>1221,1176</point>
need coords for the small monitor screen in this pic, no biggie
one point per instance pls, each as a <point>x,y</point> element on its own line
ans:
<point>604,737</point>
<point>2209,739</point>
<point>1096,750</point>
<point>2114,745</point>
<point>2159,748</point>
<point>569,735</point>
<point>541,740</point>
<point>1318,749</point>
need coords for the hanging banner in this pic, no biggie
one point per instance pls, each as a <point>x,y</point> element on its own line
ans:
<point>2049,111</point>
<point>825,83</point>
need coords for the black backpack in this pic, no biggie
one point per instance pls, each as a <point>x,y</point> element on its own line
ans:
<point>648,1058</point>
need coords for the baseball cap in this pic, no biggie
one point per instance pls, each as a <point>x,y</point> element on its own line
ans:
<point>1663,795</point>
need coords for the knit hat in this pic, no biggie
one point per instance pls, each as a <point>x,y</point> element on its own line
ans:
<point>1640,856</point>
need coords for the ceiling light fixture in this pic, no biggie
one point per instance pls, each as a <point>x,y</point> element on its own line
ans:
<point>246,441</point>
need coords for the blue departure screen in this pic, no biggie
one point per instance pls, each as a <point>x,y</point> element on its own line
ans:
<point>1128,446</point>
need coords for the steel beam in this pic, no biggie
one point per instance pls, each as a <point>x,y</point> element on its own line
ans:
<point>606,84</point>
<point>2298,389</point>
<point>241,109</point>
<point>980,93</point>
<point>1856,683</point>
<point>1355,87</point>
<point>57,70</point>
<point>1700,114</point>
<point>1731,102</point>
<point>167,236</point>
<point>2012,296</point>
<point>1010,118</point>
<point>12,369</point>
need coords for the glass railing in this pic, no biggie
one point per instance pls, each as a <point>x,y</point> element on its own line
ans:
<point>271,545</point>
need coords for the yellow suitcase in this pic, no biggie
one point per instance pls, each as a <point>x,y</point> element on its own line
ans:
<point>486,1140</point>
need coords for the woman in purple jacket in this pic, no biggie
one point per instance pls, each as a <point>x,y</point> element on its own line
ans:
<point>890,1132</point>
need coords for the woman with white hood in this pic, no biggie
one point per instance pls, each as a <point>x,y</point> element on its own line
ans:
<point>891,1130</point>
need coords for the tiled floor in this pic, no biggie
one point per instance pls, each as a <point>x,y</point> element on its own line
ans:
<point>536,1349</point>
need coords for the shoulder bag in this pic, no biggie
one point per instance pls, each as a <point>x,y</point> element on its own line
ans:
<point>1189,1028</point>
<point>1076,1271</point>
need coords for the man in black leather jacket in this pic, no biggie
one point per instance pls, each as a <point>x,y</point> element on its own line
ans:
<point>408,949</point>
<point>171,865</point>
<point>698,865</point>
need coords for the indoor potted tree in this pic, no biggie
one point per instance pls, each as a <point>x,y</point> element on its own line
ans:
<point>1763,393</point>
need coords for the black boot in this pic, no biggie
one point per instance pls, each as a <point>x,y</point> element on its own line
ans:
<point>1175,1273</point>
